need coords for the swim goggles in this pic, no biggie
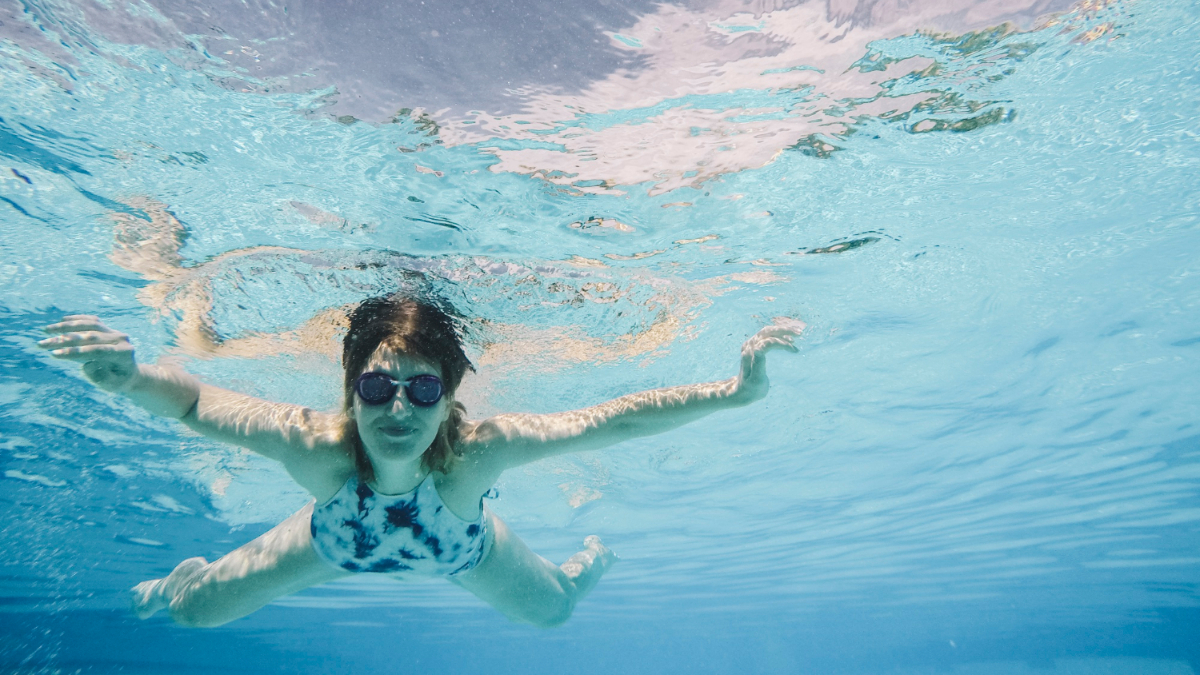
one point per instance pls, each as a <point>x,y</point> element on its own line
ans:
<point>378,388</point>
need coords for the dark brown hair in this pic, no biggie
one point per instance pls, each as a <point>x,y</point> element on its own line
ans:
<point>416,328</point>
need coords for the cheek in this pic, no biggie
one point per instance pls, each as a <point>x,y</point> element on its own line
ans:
<point>434,421</point>
<point>445,407</point>
<point>363,414</point>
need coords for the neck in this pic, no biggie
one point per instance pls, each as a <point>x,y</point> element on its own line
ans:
<point>398,478</point>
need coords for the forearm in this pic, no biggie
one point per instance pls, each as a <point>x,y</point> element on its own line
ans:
<point>657,410</point>
<point>166,391</point>
<point>531,437</point>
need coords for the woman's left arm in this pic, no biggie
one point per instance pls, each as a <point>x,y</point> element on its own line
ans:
<point>509,440</point>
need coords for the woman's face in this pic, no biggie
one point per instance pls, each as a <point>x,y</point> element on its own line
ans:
<point>398,431</point>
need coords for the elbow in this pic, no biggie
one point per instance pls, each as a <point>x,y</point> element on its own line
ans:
<point>189,617</point>
<point>554,614</point>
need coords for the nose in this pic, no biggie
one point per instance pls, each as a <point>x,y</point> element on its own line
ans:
<point>399,404</point>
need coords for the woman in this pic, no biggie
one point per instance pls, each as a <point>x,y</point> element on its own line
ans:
<point>399,477</point>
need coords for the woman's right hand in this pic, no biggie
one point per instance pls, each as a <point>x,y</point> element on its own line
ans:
<point>106,354</point>
<point>752,382</point>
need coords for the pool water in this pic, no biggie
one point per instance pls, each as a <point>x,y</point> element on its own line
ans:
<point>985,457</point>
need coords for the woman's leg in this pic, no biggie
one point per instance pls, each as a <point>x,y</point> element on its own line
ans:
<point>527,587</point>
<point>278,563</point>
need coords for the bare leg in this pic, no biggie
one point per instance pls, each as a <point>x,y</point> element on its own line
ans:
<point>527,587</point>
<point>278,563</point>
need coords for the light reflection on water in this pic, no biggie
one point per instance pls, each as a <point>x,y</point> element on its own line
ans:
<point>990,229</point>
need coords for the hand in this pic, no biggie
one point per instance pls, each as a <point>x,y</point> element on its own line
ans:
<point>752,381</point>
<point>106,354</point>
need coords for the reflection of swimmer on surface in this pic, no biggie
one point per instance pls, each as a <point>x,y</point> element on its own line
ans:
<point>400,475</point>
<point>149,247</point>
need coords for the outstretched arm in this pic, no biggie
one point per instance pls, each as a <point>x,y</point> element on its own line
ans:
<point>510,440</point>
<point>308,443</point>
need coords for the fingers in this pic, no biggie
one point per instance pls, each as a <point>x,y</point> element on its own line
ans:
<point>81,339</point>
<point>780,334</point>
<point>87,353</point>
<point>761,345</point>
<point>772,334</point>
<point>795,325</point>
<point>78,322</point>
<point>783,326</point>
<point>777,333</point>
<point>783,342</point>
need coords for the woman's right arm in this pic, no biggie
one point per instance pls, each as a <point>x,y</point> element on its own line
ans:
<point>308,443</point>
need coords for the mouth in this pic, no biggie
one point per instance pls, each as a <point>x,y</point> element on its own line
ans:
<point>396,431</point>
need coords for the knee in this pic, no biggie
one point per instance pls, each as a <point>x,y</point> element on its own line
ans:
<point>554,613</point>
<point>191,619</point>
<point>194,615</point>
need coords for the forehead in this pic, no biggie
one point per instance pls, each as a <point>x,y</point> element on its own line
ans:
<point>401,364</point>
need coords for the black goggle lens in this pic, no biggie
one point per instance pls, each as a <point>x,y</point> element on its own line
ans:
<point>376,388</point>
<point>424,390</point>
<point>379,388</point>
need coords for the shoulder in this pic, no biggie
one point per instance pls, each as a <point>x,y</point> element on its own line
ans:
<point>481,436</point>
<point>328,445</point>
<point>479,447</point>
<point>334,431</point>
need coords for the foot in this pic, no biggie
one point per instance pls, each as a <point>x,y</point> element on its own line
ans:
<point>595,558</point>
<point>601,553</point>
<point>149,597</point>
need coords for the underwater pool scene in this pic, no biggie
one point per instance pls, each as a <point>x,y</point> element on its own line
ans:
<point>984,458</point>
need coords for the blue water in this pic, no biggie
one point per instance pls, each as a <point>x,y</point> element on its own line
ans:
<point>984,459</point>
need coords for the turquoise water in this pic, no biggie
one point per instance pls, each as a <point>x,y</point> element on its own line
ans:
<point>984,459</point>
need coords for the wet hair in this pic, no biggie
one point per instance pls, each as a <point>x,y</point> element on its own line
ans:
<point>417,328</point>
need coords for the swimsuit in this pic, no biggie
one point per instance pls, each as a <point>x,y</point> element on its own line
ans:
<point>361,530</point>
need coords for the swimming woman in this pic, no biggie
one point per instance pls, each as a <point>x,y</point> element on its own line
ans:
<point>399,476</point>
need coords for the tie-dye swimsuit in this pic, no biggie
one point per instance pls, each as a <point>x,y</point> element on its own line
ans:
<point>361,530</point>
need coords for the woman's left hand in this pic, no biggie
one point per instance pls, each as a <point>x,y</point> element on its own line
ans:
<point>105,354</point>
<point>752,382</point>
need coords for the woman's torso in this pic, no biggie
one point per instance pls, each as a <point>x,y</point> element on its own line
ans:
<point>361,530</point>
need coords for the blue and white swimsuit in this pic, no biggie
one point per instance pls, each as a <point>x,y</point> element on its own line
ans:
<point>360,530</point>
